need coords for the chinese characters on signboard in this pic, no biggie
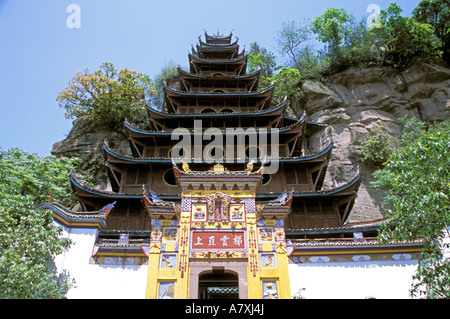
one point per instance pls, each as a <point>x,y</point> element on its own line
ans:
<point>226,240</point>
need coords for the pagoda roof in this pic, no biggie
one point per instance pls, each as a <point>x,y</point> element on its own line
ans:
<point>72,219</point>
<point>217,46</point>
<point>294,128</point>
<point>222,48</point>
<point>170,92</point>
<point>218,39</point>
<point>217,175</point>
<point>371,225</point>
<point>346,189</point>
<point>187,75</point>
<point>277,110</point>
<point>351,187</point>
<point>84,191</point>
<point>116,158</point>
<point>195,59</point>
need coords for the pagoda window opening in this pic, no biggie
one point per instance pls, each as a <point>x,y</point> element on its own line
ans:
<point>150,151</point>
<point>208,110</point>
<point>169,178</point>
<point>253,152</point>
<point>163,151</point>
<point>177,152</point>
<point>296,175</point>
<point>266,179</point>
<point>299,208</point>
<point>137,176</point>
<point>128,216</point>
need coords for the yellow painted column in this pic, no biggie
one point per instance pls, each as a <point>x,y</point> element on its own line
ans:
<point>253,279</point>
<point>153,265</point>
<point>284,289</point>
<point>182,284</point>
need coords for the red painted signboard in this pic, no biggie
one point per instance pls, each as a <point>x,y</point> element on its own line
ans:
<point>218,240</point>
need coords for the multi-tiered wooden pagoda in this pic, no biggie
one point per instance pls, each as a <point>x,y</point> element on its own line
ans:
<point>217,98</point>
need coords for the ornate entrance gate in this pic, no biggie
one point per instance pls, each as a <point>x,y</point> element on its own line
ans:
<point>218,285</point>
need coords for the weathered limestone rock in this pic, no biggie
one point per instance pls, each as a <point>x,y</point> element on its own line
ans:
<point>355,101</point>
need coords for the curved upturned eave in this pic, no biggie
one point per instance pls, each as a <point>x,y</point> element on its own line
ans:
<point>217,45</point>
<point>84,191</point>
<point>115,158</point>
<point>72,219</point>
<point>344,190</point>
<point>194,59</point>
<point>186,74</point>
<point>226,38</point>
<point>174,93</point>
<point>295,128</point>
<point>221,48</point>
<point>157,115</point>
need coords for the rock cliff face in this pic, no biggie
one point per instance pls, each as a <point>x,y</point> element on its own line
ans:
<point>352,103</point>
<point>355,101</point>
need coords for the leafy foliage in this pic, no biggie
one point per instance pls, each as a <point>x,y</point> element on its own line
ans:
<point>290,38</point>
<point>437,14</point>
<point>400,39</point>
<point>287,81</point>
<point>260,58</point>
<point>107,95</point>
<point>333,27</point>
<point>168,72</point>
<point>417,181</point>
<point>412,130</point>
<point>378,147</point>
<point>28,238</point>
<point>394,41</point>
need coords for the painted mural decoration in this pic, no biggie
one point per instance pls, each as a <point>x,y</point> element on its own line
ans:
<point>170,234</point>
<point>166,290</point>
<point>268,260</point>
<point>270,289</point>
<point>168,261</point>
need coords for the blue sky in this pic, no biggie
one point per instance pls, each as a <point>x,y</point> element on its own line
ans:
<point>40,53</point>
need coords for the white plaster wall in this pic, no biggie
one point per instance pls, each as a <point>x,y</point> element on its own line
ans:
<point>353,280</point>
<point>98,281</point>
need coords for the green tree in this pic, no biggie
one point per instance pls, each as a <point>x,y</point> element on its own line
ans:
<point>437,14</point>
<point>358,48</point>
<point>28,237</point>
<point>290,39</point>
<point>412,130</point>
<point>400,39</point>
<point>378,146</point>
<point>333,27</point>
<point>287,84</point>
<point>107,95</point>
<point>417,181</point>
<point>168,71</point>
<point>261,58</point>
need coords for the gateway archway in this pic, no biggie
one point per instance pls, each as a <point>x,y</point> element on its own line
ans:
<point>218,284</point>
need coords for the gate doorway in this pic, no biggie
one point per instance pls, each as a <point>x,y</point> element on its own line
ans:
<point>218,284</point>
